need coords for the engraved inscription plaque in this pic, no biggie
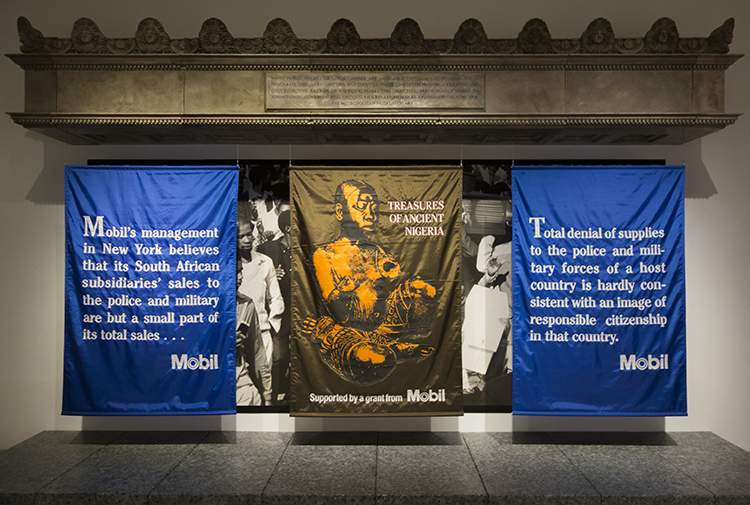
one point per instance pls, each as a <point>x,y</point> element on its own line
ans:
<point>375,90</point>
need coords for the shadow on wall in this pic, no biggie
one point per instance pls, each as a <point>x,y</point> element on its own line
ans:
<point>338,424</point>
<point>49,187</point>
<point>158,423</point>
<point>583,423</point>
<point>698,183</point>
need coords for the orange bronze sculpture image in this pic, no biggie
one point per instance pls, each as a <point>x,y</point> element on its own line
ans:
<point>363,331</point>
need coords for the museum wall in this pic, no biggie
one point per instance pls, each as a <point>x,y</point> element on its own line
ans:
<point>717,210</point>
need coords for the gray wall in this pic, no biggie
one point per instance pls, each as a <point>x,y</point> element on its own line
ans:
<point>32,227</point>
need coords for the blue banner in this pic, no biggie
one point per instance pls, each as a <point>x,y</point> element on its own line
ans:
<point>599,291</point>
<point>150,290</point>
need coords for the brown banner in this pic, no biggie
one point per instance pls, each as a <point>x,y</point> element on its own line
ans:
<point>376,291</point>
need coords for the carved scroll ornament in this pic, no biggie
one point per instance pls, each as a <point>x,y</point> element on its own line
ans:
<point>406,38</point>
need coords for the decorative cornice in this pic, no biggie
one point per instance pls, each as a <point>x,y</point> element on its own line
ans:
<point>538,129</point>
<point>379,63</point>
<point>343,39</point>
<point>429,120</point>
<point>515,78</point>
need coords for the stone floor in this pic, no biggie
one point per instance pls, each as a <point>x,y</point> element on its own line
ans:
<point>366,467</point>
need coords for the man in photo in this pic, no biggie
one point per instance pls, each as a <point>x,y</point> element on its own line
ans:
<point>279,252</point>
<point>260,284</point>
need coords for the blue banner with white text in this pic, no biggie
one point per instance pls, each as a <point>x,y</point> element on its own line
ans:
<point>150,290</point>
<point>599,291</point>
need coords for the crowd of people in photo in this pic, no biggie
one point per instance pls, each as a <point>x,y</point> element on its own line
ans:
<point>487,331</point>
<point>263,286</point>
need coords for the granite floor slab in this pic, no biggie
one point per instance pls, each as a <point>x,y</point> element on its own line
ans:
<point>528,469</point>
<point>425,468</point>
<point>720,467</point>
<point>222,468</point>
<point>634,474</point>
<point>318,468</point>
<point>38,461</point>
<point>123,472</point>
